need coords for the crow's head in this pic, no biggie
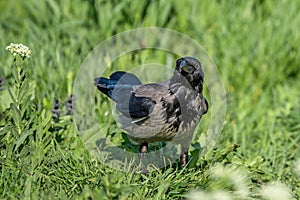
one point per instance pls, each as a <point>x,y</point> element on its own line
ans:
<point>190,68</point>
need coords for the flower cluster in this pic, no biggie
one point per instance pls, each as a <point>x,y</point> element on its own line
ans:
<point>70,104</point>
<point>19,50</point>
<point>70,107</point>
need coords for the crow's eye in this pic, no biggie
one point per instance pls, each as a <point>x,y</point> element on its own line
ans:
<point>188,68</point>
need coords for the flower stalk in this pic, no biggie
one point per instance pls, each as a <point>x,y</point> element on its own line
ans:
<point>21,93</point>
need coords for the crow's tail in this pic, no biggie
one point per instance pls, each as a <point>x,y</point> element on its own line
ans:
<point>118,79</point>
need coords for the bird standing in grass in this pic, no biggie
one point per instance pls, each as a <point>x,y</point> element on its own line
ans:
<point>165,111</point>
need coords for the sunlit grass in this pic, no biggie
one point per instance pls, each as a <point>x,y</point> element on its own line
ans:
<point>255,46</point>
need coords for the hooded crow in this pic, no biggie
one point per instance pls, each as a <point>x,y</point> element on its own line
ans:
<point>165,111</point>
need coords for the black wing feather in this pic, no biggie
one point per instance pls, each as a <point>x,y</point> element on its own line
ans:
<point>117,82</point>
<point>119,87</point>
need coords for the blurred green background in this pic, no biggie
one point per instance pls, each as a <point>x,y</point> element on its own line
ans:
<point>255,45</point>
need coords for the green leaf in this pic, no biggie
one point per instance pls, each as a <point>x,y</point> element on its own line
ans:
<point>46,117</point>
<point>15,114</point>
<point>27,187</point>
<point>21,139</point>
<point>12,94</point>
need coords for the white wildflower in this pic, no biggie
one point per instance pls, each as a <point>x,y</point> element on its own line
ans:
<point>19,50</point>
<point>233,177</point>
<point>276,191</point>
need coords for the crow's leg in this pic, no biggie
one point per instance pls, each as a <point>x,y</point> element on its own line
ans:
<point>184,156</point>
<point>143,150</point>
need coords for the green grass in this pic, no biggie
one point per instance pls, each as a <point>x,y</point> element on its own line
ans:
<point>255,45</point>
